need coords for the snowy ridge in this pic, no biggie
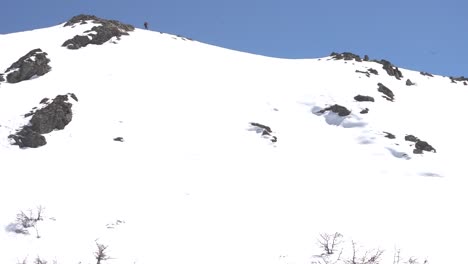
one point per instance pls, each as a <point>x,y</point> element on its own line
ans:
<point>195,175</point>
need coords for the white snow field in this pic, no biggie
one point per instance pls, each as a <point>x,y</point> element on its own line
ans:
<point>194,182</point>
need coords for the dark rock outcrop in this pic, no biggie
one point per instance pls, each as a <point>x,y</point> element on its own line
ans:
<point>28,138</point>
<point>391,69</point>
<point>389,135</point>
<point>340,110</point>
<point>420,145</point>
<point>55,115</point>
<point>386,91</point>
<point>426,74</point>
<point>34,63</point>
<point>265,131</point>
<point>409,82</point>
<point>363,98</point>
<point>364,72</point>
<point>366,58</point>
<point>346,56</point>
<point>364,111</point>
<point>411,138</point>
<point>373,71</point>
<point>120,139</point>
<point>99,34</point>
<point>1,78</point>
<point>458,79</point>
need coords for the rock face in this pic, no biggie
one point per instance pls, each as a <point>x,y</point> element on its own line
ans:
<point>34,63</point>
<point>1,78</point>
<point>340,110</point>
<point>386,91</point>
<point>56,115</point>
<point>391,69</point>
<point>98,35</point>
<point>363,98</point>
<point>345,56</point>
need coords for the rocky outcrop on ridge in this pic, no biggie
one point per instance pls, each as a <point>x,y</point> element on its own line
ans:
<point>345,56</point>
<point>264,130</point>
<point>34,63</point>
<point>390,68</point>
<point>104,31</point>
<point>55,115</point>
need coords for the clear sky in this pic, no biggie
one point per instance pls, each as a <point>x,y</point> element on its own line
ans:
<point>429,35</point>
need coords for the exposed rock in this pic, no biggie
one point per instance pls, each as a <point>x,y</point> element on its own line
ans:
<point>409,82</point>
<point>1,78</point>
<point>28,138</point>
<point>426,74</point>
<point>459,79</point>
<point>34,63</point>
<point>340,110</point>
<point>385,90</point>
<point>465,83</point>
<point>120,139</point>
<point>363,98</point>
<point>411,138</point>
<point>373,71</point>
<point>420,145</point>
<point>424,146</point>
<point>364,111</point>
<point>56,115</point>
<point>366,73</point>
<point>345,56</point>
<point>98,35</point>
<point>391,69</point>
<point>265,131</point>
<point>44,100</point>
<point>366,58</point>
<point>389,135</point>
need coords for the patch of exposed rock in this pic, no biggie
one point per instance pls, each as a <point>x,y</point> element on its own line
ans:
<point>420,145</point>
<point>364,111</point>
<point>426,74</point>
<point>34,63</point>
<point>99,34</point>
<point>409,82</point>
<point>389,135</point>
<point>363,98</point>
<point>390,68</point>
<point>345,56</point>
<point>338,109</point>
<point>265,131</point>
<point>459,79</point>
<point>55,115</point>
<point>1,78</point>
<point>388,94</point>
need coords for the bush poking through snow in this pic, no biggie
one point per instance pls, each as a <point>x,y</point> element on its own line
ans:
<point>101,254</point>
<point>333,251</point>
<point>26,221</point>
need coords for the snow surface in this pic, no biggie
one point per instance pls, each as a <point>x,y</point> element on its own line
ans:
<point>193,183</point>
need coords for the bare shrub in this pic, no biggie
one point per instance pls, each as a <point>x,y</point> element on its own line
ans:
<point>101,254</point>
<point>25,221</point>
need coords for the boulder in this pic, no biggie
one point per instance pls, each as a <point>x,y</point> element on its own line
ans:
<point>409,82</point>
<point>411,138</point>
<point>34,63</point>
<point>363,98</point>
<point>386,91</point>
<point>99,34</point>
<point>364,111</point>
<point>373,71</point>
<point>340,110</point>
<point>424,146</point>
<point>120,139</point>
<point>366,58</point>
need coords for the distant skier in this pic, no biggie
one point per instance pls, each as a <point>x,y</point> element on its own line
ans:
<point>146,25</point>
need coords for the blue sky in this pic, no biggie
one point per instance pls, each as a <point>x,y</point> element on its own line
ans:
<point>430,35</point>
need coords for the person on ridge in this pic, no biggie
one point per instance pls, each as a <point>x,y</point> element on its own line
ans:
<point>146,25</point>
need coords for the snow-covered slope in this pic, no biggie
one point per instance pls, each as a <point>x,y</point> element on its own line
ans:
<point>192,180</point>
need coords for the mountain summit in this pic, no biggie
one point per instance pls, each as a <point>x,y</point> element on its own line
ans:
<point>125,145</point>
